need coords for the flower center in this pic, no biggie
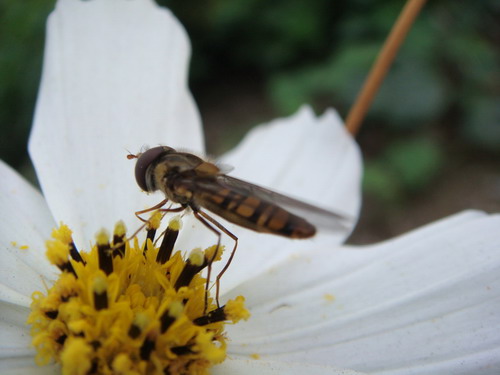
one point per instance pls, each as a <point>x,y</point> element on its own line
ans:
<point>126,308</point>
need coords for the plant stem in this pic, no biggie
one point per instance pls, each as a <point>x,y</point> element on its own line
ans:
<point>382,64</point>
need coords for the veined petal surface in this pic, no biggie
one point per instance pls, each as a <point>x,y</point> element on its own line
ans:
<point>251,367</point>
<point>423,303</point>
<point>26,366</point>
<point>23,268</point>
<point>28,223</point>
<point>15,346</point>
<point>114,79</point>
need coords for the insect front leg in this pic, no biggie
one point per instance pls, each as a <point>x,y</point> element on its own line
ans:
<point>155,207</point>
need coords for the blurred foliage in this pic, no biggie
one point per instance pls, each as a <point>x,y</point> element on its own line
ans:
<point>22,26</point>
<point>404,167</point>
<point>444,84</point>
<point>442,90</point>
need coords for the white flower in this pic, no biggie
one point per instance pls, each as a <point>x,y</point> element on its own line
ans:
<point>115,79</point>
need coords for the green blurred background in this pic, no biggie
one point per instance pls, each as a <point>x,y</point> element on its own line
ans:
<point>431,141</point>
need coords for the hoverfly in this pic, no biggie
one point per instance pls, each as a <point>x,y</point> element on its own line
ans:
<point>200,185</point>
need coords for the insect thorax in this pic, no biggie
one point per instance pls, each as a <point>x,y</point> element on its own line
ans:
<point>170,181</point>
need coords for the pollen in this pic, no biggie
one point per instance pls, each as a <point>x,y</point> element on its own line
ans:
<point>126,307</point>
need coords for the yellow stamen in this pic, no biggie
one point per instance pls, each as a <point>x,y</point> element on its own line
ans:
<point>175,223</point>
<point>102,237</point>
<point>197,258</point>
<point>120,229</point>
<point>57,252</point>
<point>124,312</point>
<point>155,220</point>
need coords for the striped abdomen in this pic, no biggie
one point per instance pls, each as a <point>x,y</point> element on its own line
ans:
<point>254,213</point>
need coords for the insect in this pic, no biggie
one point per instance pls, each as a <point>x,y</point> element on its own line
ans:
<point>192,182</point>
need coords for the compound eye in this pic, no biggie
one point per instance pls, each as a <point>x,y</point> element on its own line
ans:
<point>143,162</point>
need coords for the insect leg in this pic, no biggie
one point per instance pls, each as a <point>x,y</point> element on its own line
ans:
<point>176,209</point>
<point>224,229</point>
<point>198,215</point>
<point>155,207</point>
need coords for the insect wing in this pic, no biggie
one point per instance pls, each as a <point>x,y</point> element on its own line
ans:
<point>237,204</point>
<point>319,217</point>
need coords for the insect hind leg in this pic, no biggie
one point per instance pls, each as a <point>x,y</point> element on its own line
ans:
<point>226,266</point>
<point>198,215</point>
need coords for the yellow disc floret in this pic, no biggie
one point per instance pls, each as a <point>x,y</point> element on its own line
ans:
<point>63,234</point>
<point>235,310</point>
<point>126,308</point>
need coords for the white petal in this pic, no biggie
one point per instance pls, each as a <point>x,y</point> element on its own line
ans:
<point>323,262</point>
<point>114,79</point>
<point>258,253</point>
<point>26,366</point>
<point>261,367</point>
<point>16,337</point>
<point>27,223</point>
<point>424,303</point>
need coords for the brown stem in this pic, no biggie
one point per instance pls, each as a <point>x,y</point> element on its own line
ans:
<point>382,64</point>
